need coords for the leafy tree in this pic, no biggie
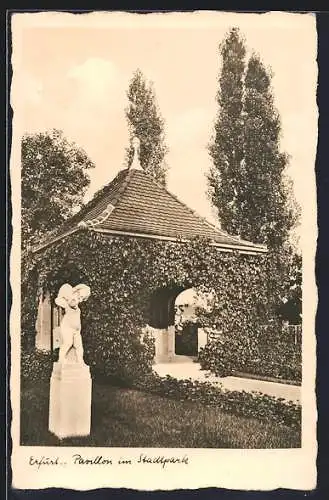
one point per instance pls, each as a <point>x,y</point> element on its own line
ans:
<point>247,180</point>
<point>291,307</point>
<point>227,148</point>
<point>265,214</point>
<point>54,181</point>
<point>268,213</point>
<point>146,123</point>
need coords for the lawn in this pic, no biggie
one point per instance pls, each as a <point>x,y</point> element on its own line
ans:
<point>130,418</point>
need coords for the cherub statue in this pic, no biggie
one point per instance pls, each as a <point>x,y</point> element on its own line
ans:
<point>69,299</point>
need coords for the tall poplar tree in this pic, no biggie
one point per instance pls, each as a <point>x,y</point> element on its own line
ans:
<point>269,215</point>
<point>146,123</point>
<point>226,149</point>
<point>247,180</point>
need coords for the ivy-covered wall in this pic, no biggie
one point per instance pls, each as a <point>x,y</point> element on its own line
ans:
<point>123,274</point>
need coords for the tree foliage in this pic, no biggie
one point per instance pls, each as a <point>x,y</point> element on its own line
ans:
<point>247,185</point>
<point>247,181</point>
<point>145,122</point>
<point>54,179</point>
<point>266,216</point>
<point>227,149</point>
<point>291,308</point>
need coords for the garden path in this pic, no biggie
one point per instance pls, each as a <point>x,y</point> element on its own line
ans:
<point>182,369</point>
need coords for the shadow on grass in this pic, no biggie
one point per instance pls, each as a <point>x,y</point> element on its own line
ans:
<point>130,418</point>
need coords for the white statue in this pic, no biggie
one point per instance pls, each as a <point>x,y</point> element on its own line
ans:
<point>69,299</point>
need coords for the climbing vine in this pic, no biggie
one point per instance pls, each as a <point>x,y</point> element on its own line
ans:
<point>123,273</point>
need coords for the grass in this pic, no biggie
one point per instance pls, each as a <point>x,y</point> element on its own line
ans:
<point>130,418</point>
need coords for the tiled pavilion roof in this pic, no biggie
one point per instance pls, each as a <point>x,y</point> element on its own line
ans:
<point>134,204</point>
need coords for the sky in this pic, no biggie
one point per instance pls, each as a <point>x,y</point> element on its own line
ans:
<point>72,73</point>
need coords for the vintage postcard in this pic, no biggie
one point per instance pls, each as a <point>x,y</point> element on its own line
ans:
<point>162,267</point>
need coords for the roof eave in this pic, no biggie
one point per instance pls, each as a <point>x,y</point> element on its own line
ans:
<point>225,247</point>
<point>46,244</point>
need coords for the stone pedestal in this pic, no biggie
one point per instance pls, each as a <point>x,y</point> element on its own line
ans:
<point>70,400</point>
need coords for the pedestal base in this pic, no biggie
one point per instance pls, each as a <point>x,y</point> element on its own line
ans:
<point>70,400</point>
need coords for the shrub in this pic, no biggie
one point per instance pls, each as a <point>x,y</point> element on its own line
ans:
<point>284,361</point>
<point>254,405</point>
<point>35,366</point>
<point>224,354</point>
<point>263,353</point>
<point>121,359</point>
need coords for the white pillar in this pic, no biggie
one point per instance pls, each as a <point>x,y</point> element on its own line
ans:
<point>202,338</point>
<point>171,342</point>
<point>43,323</point>
<point>160,343</point>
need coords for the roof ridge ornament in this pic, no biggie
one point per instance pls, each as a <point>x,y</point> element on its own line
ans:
<point>136,165</point>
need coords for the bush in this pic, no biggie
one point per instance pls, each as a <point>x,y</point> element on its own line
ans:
<point>282,362</point>
<point>254,405</point>
<point>35,366</point>
<point>265,354</point>
<point>224,355</point>
<point>121,359</point>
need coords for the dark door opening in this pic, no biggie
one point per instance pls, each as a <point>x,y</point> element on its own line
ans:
<point>162,307</point>
<point>186,341</point>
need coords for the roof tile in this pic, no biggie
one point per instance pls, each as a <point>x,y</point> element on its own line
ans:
<point>142,206</point>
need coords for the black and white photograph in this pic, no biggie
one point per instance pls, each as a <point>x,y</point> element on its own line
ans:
<point>164,234</point>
